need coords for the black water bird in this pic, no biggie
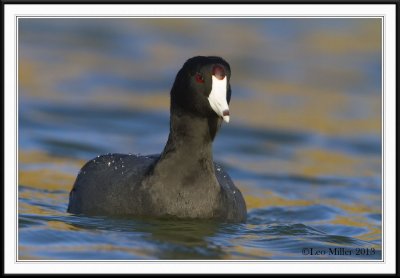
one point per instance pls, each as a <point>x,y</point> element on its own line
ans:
<point>183,181</point>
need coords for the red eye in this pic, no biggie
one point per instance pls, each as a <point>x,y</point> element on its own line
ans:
<point>199,78</point>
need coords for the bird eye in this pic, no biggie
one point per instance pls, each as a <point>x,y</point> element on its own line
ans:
<point>199,77</point>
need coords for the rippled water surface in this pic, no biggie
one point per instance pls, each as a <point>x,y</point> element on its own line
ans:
<point>303,144</point>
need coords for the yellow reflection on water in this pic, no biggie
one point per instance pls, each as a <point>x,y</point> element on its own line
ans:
<point>309,109</point>
<point>62,226</point>
<point>312,162</point>
<point>268,198</point>
<point>45,179</point>
<point>324,162</point>
<point>239,252</point>
<point>368,39</point>
<point>48,174</point>
<point>77,249</point>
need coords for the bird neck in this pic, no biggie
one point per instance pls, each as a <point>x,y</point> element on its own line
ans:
<point>190,139</point>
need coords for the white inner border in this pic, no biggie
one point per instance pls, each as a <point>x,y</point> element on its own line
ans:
<point>387,11</point>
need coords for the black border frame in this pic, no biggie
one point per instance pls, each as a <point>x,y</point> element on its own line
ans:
<point>318,2</point>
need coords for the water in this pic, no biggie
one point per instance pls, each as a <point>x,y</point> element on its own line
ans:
<point>303,144</point>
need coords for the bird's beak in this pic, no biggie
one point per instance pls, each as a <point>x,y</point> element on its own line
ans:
<point>217,97</point>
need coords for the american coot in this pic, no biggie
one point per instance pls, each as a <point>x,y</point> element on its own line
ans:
<point>181,182</point>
